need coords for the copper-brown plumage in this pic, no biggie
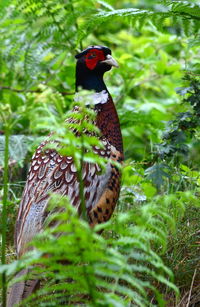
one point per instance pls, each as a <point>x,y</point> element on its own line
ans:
<point>50,172</point>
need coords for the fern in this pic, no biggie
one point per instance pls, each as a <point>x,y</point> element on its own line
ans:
<point>39,40</point>
<point>181,13</point>
<point>190,10</point>
<point>86,268</point>
<point>122,269</point>
<point>44,30</point>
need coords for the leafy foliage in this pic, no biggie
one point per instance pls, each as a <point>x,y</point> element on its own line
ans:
<point>155,229</point>
<point>178,135</point>
<point>99,272</point>
<point>183,13</point>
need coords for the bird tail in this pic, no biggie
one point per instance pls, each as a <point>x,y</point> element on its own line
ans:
<point>22,289</point>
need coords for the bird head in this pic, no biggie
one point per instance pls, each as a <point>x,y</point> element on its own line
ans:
<point>96,58</point>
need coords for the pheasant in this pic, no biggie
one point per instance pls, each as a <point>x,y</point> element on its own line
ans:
<point>50,172</point>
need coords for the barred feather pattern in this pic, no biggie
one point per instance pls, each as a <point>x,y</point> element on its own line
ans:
<point>52,173</point>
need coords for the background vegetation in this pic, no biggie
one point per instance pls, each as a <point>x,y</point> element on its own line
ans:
<point>149,252</point>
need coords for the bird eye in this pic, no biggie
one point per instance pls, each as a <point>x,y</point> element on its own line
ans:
<point>91,55</point>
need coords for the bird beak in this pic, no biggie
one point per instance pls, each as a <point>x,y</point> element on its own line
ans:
<point>110,61</point>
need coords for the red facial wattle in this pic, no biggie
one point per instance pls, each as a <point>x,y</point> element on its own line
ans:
<point>93,57</point>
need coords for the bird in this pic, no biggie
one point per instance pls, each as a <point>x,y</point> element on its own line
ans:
<point>51,172</point>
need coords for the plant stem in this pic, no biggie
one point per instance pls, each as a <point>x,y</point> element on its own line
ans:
<point>80,178</point>
<point>75,21</point>
<point>4,213</point>
<point>30,91</point>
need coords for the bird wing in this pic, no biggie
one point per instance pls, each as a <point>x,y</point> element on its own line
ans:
<point>52,173</point>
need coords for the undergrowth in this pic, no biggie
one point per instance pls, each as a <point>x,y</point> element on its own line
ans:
<point>84,267</point>
<point>148,254</point>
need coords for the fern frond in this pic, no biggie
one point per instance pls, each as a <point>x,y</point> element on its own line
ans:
<point>180,12</point>
<point>121,269</point>
<point>191,10</point>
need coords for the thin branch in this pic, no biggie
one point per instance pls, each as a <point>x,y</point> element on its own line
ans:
<point>189,296</point>
<point>2,87</point>
<point>67,93</point>
<point>191,73</point>
<point>75,21</point>
<point>30,91</point>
